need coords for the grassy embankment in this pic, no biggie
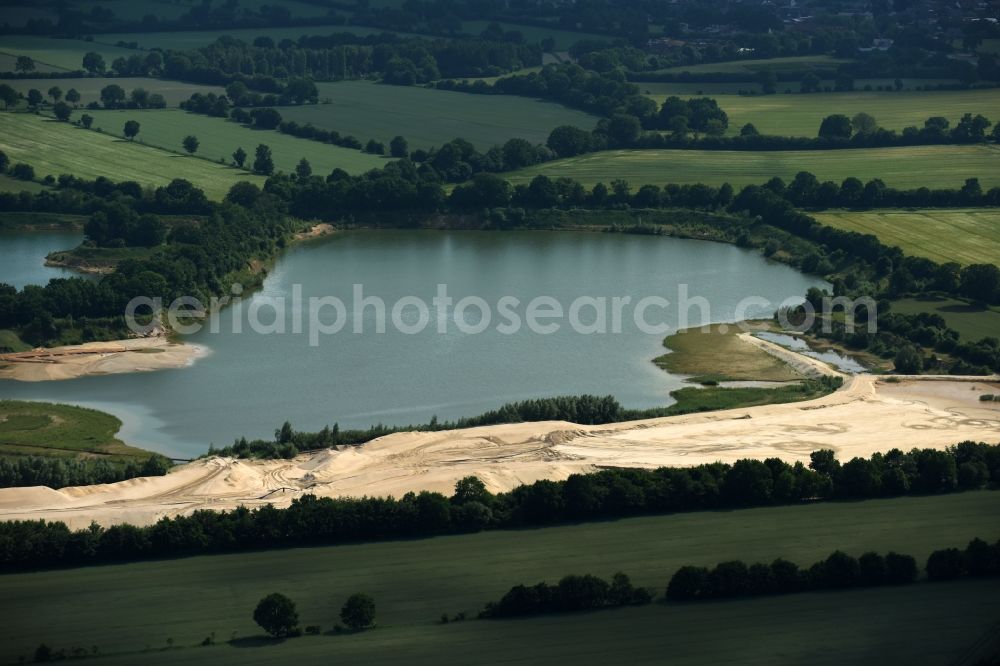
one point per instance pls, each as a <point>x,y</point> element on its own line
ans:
<point>218,139</point>
<point>55,148</point>
<point>135,608</point>
<point>429,118</point>
<point>62,431</point>
<point>905,167</point>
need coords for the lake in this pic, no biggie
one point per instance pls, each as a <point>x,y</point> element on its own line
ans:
<point>249,383</point>
<point>22,255</point>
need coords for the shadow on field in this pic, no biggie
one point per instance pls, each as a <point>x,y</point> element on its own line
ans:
<point>256,641</point>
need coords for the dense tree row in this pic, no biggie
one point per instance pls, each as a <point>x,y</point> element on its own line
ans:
<point>572,593</point>
<point>62,472</point>
<point>734,579</point>
<point>606,494</point>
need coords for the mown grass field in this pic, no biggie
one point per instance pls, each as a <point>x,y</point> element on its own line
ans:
<point>46,429</point>
<point>801,115</point>
<point>218,139</point>
<point>971,321</point>
<point>432,117</point>
<point>174,92</point>
<point>58,54</point>
<point>133,607</point>
<point>908,167</point>
<point>966,236</point>
<point>54,148</point>
<point>11,184</point>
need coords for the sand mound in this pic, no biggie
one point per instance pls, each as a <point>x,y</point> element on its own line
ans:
<point>866,415</point>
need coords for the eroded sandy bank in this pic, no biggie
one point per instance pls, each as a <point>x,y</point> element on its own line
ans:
<point>98,358</point>
<point>865,416</point>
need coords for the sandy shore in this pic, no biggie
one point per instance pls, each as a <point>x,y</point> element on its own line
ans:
<point>98,358</point>
<point>865,416</point>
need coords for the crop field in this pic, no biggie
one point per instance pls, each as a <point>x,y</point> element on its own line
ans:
<point>40,428</point>
<point>218,139</point>
<point>55,148</point>
<point>661,90</point>
<point>174,92</point>
<point>908,167</point>
<point>801,115</point>
<point>136,607</point>
<point>793,63</point>
<point>432,117</point>
<point>973,322</point>
<point>193,39</point>
<point>58,54</point>
<point>965,236</point>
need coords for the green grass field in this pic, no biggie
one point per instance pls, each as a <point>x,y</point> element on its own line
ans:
<point>793,63</point>
<point>661,90</point>
<point>55,148</point>
<point>58,54</point>
<point>170,9</point>
<point>432,117</point>
<point>966,236</point>
<point>11,184</point>
<point>972,322</point>
<point>908,167</point>
<point>219,138</point>
<point>46,429</point>
<point>697,352</point>
<point>801,115</point>
<point>122,608</point>
<point>173,92</point>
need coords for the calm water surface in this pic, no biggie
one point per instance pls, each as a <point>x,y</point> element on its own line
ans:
<point>22,255</point>
<point>249,383</point>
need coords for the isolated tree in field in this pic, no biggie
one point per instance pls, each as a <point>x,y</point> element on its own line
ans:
<point>35,98</point>
<point>239,157</point>
<point>24,64</point>
<point>398,147</point>
<point>836,126</point>
<point>131,129</point>
<point>303,170</point>
<point>263,163</point>
<point>86,120</point>
<point>190,144</point>
<point>94,63</point>
<point>55,92</point>
<point>358,611</point>
<point>8,95</point>
<point>112,96</point>
<point>72,96</point>
<point>276,615</point>
<point>864,123</point>
<point>62,111</point>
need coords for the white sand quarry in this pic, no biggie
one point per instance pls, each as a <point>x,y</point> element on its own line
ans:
<point>866,415</point>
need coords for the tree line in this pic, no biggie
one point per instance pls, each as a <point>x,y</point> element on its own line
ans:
<point>54,472</point>
<point>610,493</point>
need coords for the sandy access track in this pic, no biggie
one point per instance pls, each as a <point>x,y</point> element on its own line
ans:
<point>866,415</point>
<point>98,358</point>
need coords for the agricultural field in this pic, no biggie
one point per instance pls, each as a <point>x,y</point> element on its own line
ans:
<point>791,63</point>
<point>55,148</point>
<point>218,139</point>
<point>16,14</point>
<point>137,607</point>
<point>907,167</point>
<point>801,115</point>
<point>169,10</point>
<point>58,54</point>
<point>11,184</point>
<point>659,91</point>
<point>193,39</point>
<point>965,236</point>
<point>429,117</point>
<point>174,92</point>
<point>973,322</point>
<point>46,429</point>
